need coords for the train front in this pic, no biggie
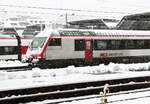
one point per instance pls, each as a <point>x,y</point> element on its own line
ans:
<point>36,49</point>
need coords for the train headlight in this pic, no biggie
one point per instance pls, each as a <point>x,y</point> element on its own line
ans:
<point>39,57</point>
<point>29,57</point>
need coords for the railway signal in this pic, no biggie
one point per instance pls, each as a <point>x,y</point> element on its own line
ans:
<point>104,96</point>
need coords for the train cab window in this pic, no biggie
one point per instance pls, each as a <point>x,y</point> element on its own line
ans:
<point>55,42</point>
<point>38,42</point>
<point>100,44</point>
<point>80,45</point>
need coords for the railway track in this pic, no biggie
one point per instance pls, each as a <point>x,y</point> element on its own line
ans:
<point>70,90</point>
<point>99,96</point>
<point>17,68</point>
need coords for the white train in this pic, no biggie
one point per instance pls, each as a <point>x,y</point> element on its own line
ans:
<point>9,48</point>
<point>62,47</point>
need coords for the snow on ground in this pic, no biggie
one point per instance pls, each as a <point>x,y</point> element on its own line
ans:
<point>71,74</point>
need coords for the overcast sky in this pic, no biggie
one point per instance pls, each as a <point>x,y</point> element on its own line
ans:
<point>82,4</point>
<point>106,8</point>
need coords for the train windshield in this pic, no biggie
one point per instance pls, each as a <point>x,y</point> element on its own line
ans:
<point>38,42</point>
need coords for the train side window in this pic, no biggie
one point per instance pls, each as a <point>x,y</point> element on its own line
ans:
<point>141,44</point>
<point>80,45</point>
<point>100,44</point>
<point>147,44</point>
<point>1,50</point>
<point>130,44</point>
<point>55,42</point>
<point>8,50</point>
<point>115,44</point>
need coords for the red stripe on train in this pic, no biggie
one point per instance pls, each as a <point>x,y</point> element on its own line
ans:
<point>24,49</point>
<point>102,35</point>
<point>42,53</point>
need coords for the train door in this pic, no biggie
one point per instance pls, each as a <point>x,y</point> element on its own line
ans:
<point>88,51</point>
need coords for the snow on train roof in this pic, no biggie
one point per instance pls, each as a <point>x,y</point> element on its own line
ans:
<point>91,32</point>
<point>107,32</point>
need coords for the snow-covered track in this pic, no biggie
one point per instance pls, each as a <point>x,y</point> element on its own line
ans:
<point>16,68</point>
<point>100,96</point>
<point>69,93</point>
<point>133,98</point>
<point>70,90</point>
<point>51,88</point>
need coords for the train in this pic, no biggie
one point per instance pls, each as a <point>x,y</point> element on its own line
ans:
<point>63,47</point>
<point>9,49</point>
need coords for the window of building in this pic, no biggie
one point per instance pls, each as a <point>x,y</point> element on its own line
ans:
<point>79,45</point>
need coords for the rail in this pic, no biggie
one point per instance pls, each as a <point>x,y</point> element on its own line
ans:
<point>70,90</point>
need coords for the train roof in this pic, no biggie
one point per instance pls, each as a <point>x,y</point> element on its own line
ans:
<point>91,32</point>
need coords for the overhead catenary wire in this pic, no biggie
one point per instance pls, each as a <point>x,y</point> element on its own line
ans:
<point>63,9</point>
<point>60,14</point>
<point>78,12</point>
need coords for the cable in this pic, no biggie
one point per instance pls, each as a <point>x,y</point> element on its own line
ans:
<point>62,9</point>
<point>61,15</point>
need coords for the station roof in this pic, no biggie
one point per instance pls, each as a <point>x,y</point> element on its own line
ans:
<point>144,16</point>
<point>97,23</point>
<point>139,21</point>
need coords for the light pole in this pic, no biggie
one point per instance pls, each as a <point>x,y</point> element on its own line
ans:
<point>19,45</point>
<point>66,16</point>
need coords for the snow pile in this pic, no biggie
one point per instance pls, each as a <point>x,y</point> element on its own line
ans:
<point>97,70</point>
<point>11,63</point>
<point>111,68</point>
<point>70,70</point>
<point>70,74</point>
